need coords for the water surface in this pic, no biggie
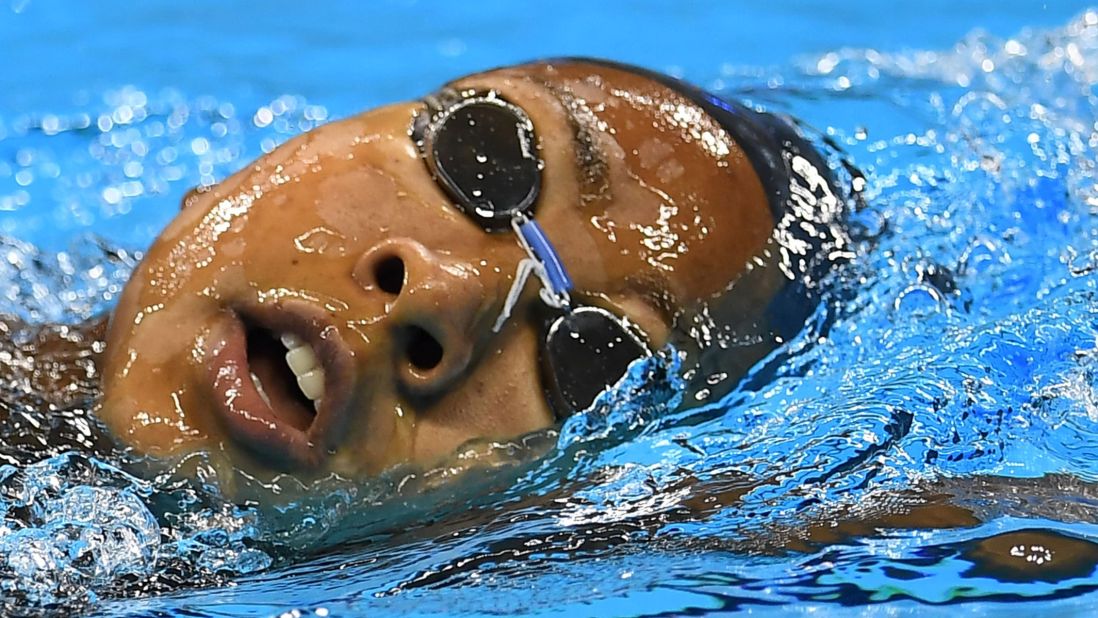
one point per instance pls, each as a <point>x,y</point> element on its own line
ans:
<point>957,353</point>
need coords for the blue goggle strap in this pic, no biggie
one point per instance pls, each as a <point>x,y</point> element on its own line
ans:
<point>542,260</point>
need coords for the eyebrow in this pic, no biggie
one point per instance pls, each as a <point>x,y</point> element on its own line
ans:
<point>591,166</point>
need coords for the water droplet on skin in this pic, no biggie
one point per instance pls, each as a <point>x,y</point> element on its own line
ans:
<point>321,241</point>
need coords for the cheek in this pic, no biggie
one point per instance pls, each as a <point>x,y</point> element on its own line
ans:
<point>149,400</point>
<point>163,305</point>
<point>372,193</point>
<point>502,400</point>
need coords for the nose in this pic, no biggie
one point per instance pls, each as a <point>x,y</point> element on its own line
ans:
<point>436,311</point>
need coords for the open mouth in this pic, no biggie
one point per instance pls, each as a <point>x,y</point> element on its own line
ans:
<point>287,374</point>
<point>280,382</point>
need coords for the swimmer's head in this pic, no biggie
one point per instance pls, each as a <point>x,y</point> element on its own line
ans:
<point>331,308</point>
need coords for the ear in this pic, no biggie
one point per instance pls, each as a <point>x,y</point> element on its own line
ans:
<point>190,198</point>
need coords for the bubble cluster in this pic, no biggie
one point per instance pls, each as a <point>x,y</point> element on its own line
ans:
<point>71,525</point>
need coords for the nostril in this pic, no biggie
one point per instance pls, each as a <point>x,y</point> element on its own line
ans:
<point>423,350</point>
<point>389,274</point>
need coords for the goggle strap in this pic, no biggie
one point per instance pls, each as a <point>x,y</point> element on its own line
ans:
<point>522,274</point>
<point>542,260</point>
<point>538,246</point>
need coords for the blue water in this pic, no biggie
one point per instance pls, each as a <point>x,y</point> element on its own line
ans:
<point>961,345</point>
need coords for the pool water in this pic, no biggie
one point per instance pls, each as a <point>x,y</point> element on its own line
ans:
<point>957,353</point>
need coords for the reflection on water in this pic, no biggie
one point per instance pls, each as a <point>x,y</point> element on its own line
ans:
<point>931,436</point>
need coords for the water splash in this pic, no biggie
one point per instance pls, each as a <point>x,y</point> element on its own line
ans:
<point>959,344</point>
<point>70,526</point>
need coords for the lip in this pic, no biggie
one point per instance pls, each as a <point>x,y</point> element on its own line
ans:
<point>249,421</point>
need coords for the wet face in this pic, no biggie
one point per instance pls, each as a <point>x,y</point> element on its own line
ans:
<point>328,309</point>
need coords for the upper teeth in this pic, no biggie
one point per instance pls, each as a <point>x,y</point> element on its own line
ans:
<point>306,367</point>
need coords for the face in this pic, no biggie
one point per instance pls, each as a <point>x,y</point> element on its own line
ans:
<point>329,309</point>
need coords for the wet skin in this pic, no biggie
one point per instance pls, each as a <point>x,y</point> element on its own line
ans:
<point>342,238</point>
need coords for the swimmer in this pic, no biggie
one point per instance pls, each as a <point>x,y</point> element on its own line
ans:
<point>387,288</point>
<point>476,265</point>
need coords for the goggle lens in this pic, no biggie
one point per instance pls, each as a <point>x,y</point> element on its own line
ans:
<point>482,152</point>
<point>606,345</point>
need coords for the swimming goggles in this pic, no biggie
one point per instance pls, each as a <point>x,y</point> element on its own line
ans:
<point>482,151</point>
